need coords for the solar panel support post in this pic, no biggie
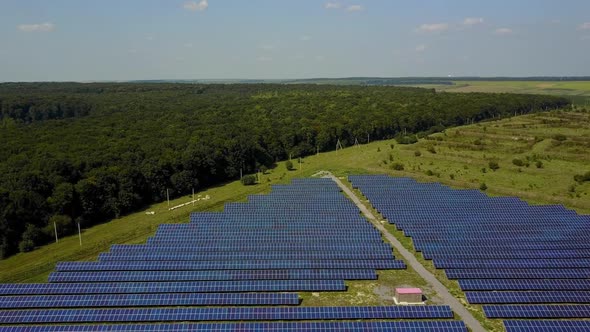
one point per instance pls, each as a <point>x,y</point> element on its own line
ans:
<point>79,234</point>
<point>55,229</point>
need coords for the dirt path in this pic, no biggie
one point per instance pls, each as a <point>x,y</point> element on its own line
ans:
<point>449,299</point>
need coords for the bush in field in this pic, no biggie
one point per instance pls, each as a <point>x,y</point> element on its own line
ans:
<point>249,180</point>
<point>493,165</point>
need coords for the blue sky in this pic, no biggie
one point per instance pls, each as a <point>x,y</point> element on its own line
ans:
<point>60,40</point>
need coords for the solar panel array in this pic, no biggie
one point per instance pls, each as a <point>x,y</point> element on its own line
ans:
<point>517,260</point>
<point>224,269</point>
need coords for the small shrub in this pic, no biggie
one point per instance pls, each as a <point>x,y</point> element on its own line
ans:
<point>518,162</point>
<point>397,166</point>
<point>452,176</point>
<point>429,173</point>
<point>539,164</point>
<point>289,165</point>
<point>406,139</point>
<point>484,170</point>
<point>391,146</point>
<point>477,142</point>
<point>26,245</point>
<point>390,157</point>
<point>378,149</point>
<point>249,180</point>
<point>483,186</point>
<point>417,153</point>
<point>559,137</point>
<point>493,165</point>
<point>581,178</point>
<point>431,149</point>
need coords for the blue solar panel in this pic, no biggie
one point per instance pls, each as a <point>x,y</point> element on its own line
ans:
<point>461,263</point>
<point>524,284</point>
<point>528,297</point>
<point>517,274</point>
<point>236,256</point>
<point>226,265</point>
<point>416,326</point>
<point>222,314</point>
<point>127,276</point>
<point>547,326</point>
<point>537,311</point>
<point>141,300</point>
<point>173,287</point>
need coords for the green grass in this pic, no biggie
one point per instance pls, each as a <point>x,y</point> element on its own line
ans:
<point>460,157</point>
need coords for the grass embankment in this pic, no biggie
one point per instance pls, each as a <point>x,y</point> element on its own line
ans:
<point>459,157</point>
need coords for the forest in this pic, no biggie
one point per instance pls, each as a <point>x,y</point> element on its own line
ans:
<point>73,153</point>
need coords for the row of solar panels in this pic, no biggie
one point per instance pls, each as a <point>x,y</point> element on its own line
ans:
<point>223,314</point>
<point>358,326</point>
<point>507,255</point>
<point>213,275</point>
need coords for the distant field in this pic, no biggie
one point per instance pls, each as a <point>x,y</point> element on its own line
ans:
<point>578,90</point>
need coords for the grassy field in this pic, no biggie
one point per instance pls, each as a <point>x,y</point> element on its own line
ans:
<point>578,91</point>
<point>538,156</point>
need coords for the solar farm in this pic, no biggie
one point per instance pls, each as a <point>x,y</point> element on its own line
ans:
<point>526,265</point>
<point>242,269</point>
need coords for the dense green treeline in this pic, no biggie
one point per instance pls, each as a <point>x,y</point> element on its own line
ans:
<point>123,145</point>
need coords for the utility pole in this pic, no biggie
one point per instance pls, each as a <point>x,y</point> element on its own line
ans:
<point>55,228</point>
<point>194,190</point>
<point>79,234</point>
<point>168,196</point>
<point>368,140</point>
<point>317,151</point>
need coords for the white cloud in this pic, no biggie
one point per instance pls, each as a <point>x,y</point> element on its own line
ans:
<point>435,27</point>
<point>354,8</point>
<point>421,48</point>
<point>42,27</point>
<point>503,31</point>
<point>332,5</point>
<point>264,58</point>
<point>473,21</point>
<point>196,6</point>
<point>305,38</point>
<point>584,26</point>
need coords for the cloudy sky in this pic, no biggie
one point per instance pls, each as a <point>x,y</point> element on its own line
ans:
<point>57,40</point>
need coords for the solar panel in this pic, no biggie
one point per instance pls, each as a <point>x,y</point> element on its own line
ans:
<point>517,274</point>
<point>537,311</point>
<point>528,297</point>
<point>417,326</point>
<point>141,300</point>
<point>461,263</point>
<point>244,247</point>
<point>524,284</point>
<point>546,325</point>
<point>226,265</point>
<point>234,256</point>
<point>127,276</point>
<point>222,314</point>
<point>529,254</point>
<point>173,287</point>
